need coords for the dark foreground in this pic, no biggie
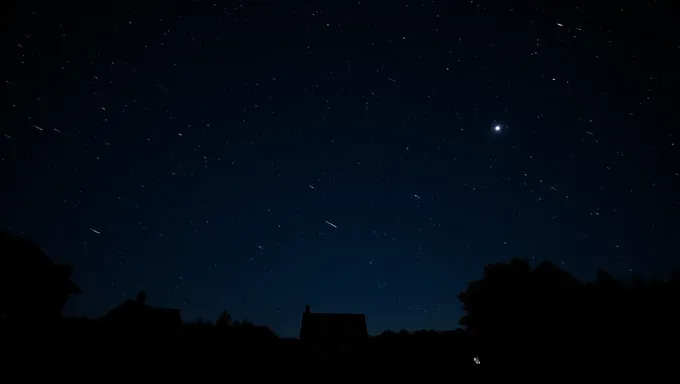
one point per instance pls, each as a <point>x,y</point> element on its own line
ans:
<point>85,340</point>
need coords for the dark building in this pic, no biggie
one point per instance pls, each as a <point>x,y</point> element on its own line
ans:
<point>145,328</point>
<point>32,287</point>
<point>334,335</point>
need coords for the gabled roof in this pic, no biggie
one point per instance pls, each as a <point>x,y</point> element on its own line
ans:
<point>337,316</point>
<point>134,310</point>
<point>315,323</point>
<point>129,307</point>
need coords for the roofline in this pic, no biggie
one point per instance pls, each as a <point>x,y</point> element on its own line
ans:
<point>335,314</point>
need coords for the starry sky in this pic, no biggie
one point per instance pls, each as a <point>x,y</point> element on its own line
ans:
<point>259,156</point>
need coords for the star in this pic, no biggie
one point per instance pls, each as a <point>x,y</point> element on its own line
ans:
<point>497,128</point>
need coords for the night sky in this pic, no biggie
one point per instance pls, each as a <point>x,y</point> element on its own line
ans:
<point>260,156</point>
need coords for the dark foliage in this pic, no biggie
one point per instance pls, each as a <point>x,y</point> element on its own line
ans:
<point>547,317</point>
<point>32,287</point>
<point>515,315</point>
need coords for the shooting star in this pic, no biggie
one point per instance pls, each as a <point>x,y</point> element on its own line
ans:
<point>392,80</point>
<point>36,127</point>
<point>416,196</point>
<point>259,246</point>
<point>56,130</point>
<point>311,186</point>
<point>331,224</point>
<point>553,188</point>
<point>590,133</point>
<point>561,25</point>
<point>95,231</point>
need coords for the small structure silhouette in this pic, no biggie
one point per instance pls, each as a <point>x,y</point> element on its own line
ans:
<point>333,335</point>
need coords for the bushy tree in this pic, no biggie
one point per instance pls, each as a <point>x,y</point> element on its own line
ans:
<point>31,285</point>
<point>224,320</point>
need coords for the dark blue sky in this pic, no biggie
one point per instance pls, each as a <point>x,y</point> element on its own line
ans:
<point>201,150</point>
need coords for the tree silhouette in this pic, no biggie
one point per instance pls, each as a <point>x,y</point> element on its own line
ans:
<point>491,303</point>
<point>513,310</point>
<point>545,315</point>
<point>31,286</point>
<point>224,320</point>
<point>141,297</point>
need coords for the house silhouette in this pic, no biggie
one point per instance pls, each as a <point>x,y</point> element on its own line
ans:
<point>333,335</point>
<point>146,328</point>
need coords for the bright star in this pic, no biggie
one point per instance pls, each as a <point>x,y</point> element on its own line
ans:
<point>497,128</point>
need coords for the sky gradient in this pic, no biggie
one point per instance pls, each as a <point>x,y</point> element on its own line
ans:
<point>261,156</point>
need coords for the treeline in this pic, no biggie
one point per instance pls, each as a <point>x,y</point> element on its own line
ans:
<point>514,314</point>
